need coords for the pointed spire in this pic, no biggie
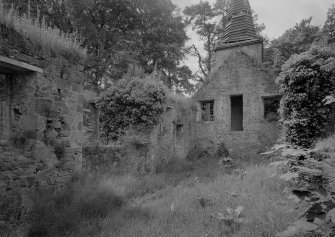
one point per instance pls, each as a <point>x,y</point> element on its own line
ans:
<point>240,26</point>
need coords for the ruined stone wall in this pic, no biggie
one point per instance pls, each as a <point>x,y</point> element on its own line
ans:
<point>174,137</point>
<point>238,72</point>
<point>171,139</point>
<point>44,149</point>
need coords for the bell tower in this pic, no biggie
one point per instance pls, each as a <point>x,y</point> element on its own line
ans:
<point>239,32</point>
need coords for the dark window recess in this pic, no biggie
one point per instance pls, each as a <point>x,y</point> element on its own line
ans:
<point>179,131</point>
<point>271,107</point>
<point>4,118</point>
<point>207,110</point>
<point>236,113</point>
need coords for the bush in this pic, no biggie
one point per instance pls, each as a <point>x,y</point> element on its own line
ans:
<point>305,83</point>
<point>222,151</point>
<point>136,103</point>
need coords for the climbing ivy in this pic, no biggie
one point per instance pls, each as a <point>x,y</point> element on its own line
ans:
<point>305,82</point>
<point>135,103</point>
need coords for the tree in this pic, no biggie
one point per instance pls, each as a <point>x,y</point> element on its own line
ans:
<point>146,32</point>
<point>306,80</point>
<point>117,33</point>
<point>329,26</point>
<point>207,21</point>
<point>294,41</point>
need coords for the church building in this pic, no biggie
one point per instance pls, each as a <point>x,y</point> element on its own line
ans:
<point>238,103</point>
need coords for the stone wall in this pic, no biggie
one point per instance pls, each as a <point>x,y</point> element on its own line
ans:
<point>238,71</point>
<point>171,139</point>
<point>44,148</point>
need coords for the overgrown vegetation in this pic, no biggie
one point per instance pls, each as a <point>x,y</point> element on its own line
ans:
<point>43,39</point>
<point>159,206</point>
<point>305,82</point>
<point>134,103</point>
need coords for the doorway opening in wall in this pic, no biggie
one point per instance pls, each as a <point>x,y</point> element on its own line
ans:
<point>236,102</point>
<point>271,107</point>
<point>207,110</point>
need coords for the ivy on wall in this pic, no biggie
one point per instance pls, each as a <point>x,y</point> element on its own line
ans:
<point>305,82</point>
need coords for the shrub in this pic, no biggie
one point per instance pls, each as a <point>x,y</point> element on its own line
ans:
<point>222,151</point>
<point>136,103</point>
<point>305,83</point>
<point>43,37</point>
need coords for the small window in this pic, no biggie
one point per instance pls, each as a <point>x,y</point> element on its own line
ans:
<point>271,107</point>
<point>207,110</point>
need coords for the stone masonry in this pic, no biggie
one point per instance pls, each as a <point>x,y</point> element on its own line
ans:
<point>238,89</point>
<point>43,117</point>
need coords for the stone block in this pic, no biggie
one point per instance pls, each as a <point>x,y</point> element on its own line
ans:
<point>45,154</point>
<point>44,106</point>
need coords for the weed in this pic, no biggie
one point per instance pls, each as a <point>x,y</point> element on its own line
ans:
<point>49,39</point>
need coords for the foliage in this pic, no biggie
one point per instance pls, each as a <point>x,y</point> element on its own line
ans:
<point>117,33</point>
<point>305,83</point>
<point>136,103</point>
<point>222,151</point>
<point>120,32</point>
<point>45,39</point>
<point>294,41</point>
<point>205,19</point>
<point>329,26</point>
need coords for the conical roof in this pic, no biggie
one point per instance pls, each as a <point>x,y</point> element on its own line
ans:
<point>240,26</point>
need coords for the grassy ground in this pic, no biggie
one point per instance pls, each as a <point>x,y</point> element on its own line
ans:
<point>184,200</point>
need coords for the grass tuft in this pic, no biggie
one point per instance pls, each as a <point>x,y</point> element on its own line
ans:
<point>46,38</point>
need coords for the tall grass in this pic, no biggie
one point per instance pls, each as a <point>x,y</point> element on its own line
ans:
<point>129,206</point>
<point>176,210</point>
<point>43,37</point>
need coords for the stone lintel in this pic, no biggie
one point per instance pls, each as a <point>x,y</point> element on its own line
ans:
<point>12,66</point>
<point>238,44</point>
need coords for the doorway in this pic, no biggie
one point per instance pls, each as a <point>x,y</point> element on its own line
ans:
<point>236,113</point>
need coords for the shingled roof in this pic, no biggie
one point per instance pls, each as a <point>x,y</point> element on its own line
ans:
<point>240,26</point>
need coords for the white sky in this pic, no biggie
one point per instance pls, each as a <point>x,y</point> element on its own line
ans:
<point>277,15</point>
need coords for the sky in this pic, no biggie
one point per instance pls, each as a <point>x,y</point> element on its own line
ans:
<point>277,15</point>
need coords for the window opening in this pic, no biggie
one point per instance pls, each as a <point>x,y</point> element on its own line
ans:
<point>179,131</point>
<point>271,107</point>
<point>4,110</point>
<point>207,110</point>
<point>236,113</point>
